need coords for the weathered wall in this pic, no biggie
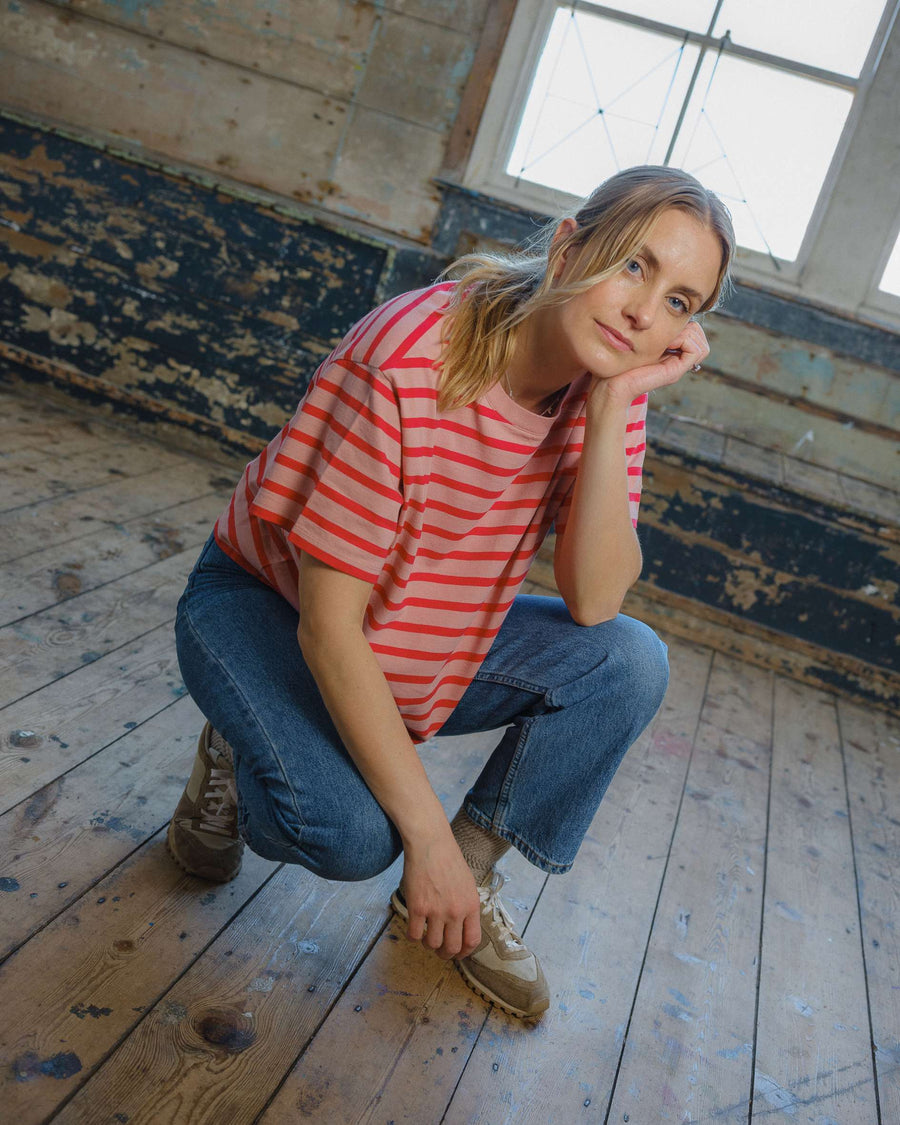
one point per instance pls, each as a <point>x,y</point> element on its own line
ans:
<point>277,178</point>
<point>340,103</point>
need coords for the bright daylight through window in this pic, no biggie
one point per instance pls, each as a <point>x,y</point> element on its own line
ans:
<point>609,94</point>
<point>754,97</point>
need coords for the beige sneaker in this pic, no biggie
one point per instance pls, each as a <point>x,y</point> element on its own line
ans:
<point>502,969</point>
<point>202,837</point>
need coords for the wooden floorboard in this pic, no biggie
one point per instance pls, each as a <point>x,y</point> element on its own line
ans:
<point>871,744</point>
<point>689,1045</point>
<point>55,728</point>
<point>44,578</point>
<point>727,947</point>
<point>813,1054</point>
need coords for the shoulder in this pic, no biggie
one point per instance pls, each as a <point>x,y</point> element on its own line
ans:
<point>403,333</point>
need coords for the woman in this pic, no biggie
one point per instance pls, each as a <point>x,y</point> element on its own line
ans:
<point>359,593</point>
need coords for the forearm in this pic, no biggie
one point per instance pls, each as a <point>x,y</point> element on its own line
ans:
<point>598,558</point>
<point>359,700</point>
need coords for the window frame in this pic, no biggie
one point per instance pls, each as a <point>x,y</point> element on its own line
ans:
<point>831,269</point>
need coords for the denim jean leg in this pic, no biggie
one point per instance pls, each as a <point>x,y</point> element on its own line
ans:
<point>301,797</point>
<point>576,698</point>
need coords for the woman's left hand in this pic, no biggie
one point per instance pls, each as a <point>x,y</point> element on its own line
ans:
<point>688,350</point>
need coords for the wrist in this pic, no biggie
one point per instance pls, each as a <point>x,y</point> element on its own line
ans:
<point>424,828</point>
<point>607,404</point>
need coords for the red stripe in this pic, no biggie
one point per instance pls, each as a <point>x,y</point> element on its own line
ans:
<point>466,556</point>
<point>371,379</point>
<point>332,458</point>
<point>367,321</point>
<point>445,425</point>
<point>359,408</point>
<point>395,319</point>
<point>361,411</point>
<point>349,505</point>
<point>415,654</point>
<point>437,605</point>
<point>284,490</point>
<point>347,470</point>
<point>398,358</point>
<point>341,532</point>
<point>353,439</point>
<point>412,700</point>
<point>232,527</point>
<point>458,485</point>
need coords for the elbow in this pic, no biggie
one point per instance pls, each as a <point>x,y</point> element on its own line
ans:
<point>588,607</point>
<point>589,615</point>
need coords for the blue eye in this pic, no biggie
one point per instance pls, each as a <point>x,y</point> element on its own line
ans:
<point>633,267</point>
<point>678,304</point>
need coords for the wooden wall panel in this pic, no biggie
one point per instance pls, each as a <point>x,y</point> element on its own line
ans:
<point>322,45</point>
<point>167,100</point>
<point>346,106</point>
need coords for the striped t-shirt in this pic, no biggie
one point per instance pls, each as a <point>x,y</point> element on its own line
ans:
<point>441,511</point>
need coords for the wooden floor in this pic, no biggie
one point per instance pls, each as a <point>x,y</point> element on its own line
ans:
<point>727,948</point>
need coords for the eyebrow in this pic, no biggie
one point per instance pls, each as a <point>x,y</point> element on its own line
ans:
<point>686,289</point>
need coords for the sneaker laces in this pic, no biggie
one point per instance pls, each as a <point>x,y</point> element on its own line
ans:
<point>490,900</point>
<point>220,812</point>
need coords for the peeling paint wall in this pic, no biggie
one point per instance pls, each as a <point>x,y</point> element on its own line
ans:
<point>144,286</point>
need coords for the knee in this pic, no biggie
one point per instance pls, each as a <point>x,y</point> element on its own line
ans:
<point>344,849</point>
<point>643,661</point>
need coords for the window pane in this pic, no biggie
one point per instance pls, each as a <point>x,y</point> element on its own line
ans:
<point>691,14</point>
<point>767,164</point>
<point>605,97</point>
<point>831,34</point>
<point>890,282</point>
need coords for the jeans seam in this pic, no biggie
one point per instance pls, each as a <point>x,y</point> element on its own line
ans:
<point>248,710</point>
<point>509,681</point>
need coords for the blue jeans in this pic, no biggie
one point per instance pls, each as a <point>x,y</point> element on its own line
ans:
<point>573,699</point>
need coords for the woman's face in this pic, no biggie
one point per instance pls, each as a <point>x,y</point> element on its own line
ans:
<point>631,318</point>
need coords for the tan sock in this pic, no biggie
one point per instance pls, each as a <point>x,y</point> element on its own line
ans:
<point>481,849</point>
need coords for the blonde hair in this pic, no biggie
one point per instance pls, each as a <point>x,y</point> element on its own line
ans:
<point>497,292</point>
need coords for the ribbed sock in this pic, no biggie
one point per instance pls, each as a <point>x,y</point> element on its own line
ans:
<point>481,849</point>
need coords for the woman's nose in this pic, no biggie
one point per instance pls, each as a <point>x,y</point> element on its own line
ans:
<point>639,311</point>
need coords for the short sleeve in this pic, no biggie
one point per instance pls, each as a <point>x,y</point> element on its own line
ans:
<point>635,448</point>
<point>334,482</point>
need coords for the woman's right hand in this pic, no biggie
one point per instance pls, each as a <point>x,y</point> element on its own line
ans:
<point>441,897</point>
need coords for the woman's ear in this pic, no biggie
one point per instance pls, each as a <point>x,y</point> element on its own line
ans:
<point>562,232</point>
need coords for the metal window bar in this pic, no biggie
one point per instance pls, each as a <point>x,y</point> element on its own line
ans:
<point>717,43</point>
<point>707,42</point>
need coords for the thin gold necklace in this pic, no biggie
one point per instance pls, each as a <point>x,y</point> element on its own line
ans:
<point>548,411</point>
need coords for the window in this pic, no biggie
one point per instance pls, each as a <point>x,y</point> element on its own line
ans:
<point>890,282</point>
<point>780,106</point>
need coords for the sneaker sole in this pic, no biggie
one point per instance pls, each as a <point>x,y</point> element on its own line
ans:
<point>218,878</point>
<point>476,985</point>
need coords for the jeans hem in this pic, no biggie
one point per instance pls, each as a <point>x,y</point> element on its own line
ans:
<point>531,854</point>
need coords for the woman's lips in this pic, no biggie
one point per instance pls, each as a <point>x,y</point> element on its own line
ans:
<point>614,339</point>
